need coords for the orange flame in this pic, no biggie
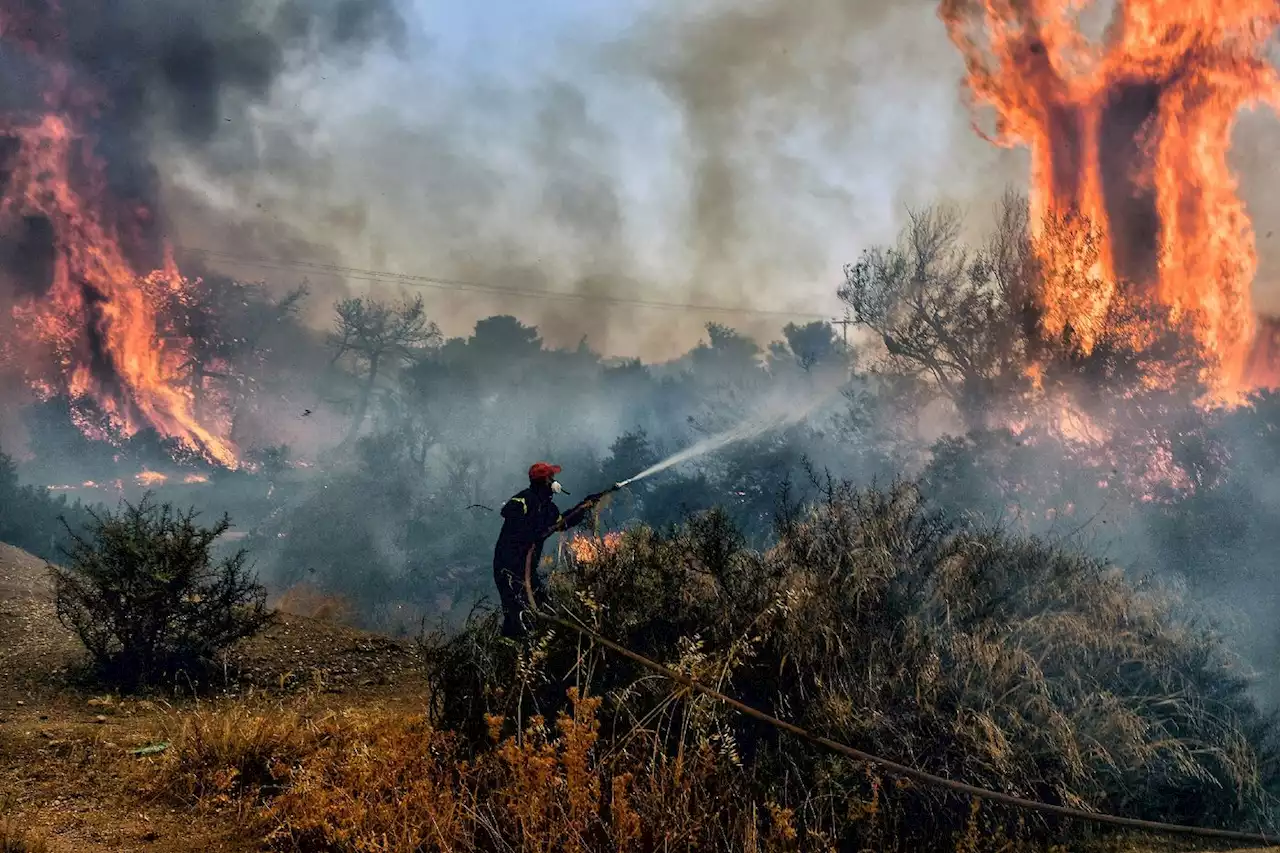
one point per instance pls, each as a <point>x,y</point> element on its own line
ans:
<point>100,318</point>
<point>589,549</point>
<point>1131,134</point>
<point>150,478</point>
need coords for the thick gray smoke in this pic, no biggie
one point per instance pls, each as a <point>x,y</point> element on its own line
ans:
<point>183,72</point>
<point>732,154</point>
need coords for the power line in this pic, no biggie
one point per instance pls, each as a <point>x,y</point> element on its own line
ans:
<point>441,283</point>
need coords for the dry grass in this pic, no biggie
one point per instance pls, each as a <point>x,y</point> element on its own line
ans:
<point>362,780</point>
<point>16,838</point>
<point>309,601</point>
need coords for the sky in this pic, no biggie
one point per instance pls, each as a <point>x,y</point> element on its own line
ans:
<point>709,153</point>
<point>712,153</point>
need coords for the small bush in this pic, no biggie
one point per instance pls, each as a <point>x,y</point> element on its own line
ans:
<point>142,591</point>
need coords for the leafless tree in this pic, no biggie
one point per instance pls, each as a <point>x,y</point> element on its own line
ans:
<point>376,336</point>
<point>947,315</point>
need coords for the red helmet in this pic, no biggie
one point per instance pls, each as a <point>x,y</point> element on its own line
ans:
<point>543,471</point>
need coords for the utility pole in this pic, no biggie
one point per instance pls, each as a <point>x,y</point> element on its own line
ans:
<point>844,323</point>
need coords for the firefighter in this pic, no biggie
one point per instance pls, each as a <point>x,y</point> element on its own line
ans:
<point>528,520</point>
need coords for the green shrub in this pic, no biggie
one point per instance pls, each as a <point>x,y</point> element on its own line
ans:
<point>144,594</point>
<point>33,520</point>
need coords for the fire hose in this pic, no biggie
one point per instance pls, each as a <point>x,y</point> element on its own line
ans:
<point>891,767</point>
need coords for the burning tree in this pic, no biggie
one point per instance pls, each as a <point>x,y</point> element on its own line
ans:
<point>91,281</point>
<point>225,321</point>
<point>1132,134</point>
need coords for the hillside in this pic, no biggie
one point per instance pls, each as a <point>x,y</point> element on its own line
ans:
<point>65,763</point>
<point>70,776</point>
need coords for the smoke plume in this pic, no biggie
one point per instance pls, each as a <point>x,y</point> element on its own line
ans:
<point>734,155</point>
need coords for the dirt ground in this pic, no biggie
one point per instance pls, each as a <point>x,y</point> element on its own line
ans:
<point>66,754</point>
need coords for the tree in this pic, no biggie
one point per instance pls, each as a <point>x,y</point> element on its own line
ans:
<point>1022,321</point>
<point>30,518</point>
<point>813,346</point>
<point>222,322</point>
<point>630,453</point>
<point>505,338</point>
<point>142,591</point>
<point>944,314</point>
<point>376,336</point>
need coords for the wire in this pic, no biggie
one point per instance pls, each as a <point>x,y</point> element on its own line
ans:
<point>441,283</point>
<point>892,767</point>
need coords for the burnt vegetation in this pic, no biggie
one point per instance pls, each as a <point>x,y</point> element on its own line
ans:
<point>1064,593</point>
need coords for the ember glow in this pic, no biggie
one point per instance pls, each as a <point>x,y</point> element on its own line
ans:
<point>589,549</point>
<point>150,478</point>
<point>1131,136</point>
<point>92,317</point>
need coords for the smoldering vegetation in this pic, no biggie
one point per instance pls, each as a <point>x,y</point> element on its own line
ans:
<point>1068,555</point>
<point>1072,561</point>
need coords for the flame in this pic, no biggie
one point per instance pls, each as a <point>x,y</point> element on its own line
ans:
<point>99,318</point>
<point>1129,138</point>
<point>589,549</point>
<point>150,478</point>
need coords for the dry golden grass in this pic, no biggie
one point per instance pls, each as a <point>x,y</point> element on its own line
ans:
<point>15,839</point>
<point>366,779</point>
<point>307,600</point>
<point>370,779</point>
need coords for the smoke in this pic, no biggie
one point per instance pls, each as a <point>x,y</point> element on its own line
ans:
<point>733,154</point>
<point>185,68</point>
<point>180,70</point>
<point>714,153</point>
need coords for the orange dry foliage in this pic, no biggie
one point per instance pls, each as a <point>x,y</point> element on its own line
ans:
<point>379,780</point>
<point>304,599</point>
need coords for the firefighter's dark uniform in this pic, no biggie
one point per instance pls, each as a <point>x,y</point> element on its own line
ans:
<point>528,519</point>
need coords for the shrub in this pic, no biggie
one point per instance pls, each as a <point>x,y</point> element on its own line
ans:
<point>142,591</point>
<point>993,659</point>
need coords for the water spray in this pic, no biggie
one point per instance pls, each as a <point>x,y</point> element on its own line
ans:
<point>748,429</point>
